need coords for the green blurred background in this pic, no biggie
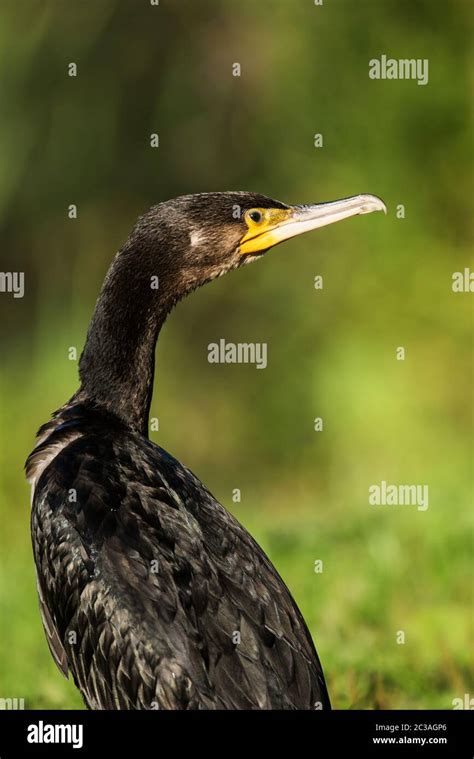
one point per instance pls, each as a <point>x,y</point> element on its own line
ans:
<point>387,283</point>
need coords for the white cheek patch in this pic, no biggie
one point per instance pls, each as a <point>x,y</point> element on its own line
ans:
<point>196,237</point>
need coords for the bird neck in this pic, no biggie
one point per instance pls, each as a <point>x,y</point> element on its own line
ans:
<point>117,365</point>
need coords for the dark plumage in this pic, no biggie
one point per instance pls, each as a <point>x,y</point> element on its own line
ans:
<point>151,593</point>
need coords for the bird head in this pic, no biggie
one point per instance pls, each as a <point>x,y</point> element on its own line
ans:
<point>174,248</point>
<point>205,235</point>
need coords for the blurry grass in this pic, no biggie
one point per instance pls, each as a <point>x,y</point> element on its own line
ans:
<point>371,588</point>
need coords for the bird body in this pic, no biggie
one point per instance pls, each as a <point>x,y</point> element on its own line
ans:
<point>161,598</point>
<point>151,593</point>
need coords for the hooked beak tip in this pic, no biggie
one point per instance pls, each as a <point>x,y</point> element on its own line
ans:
<point>370,203</point>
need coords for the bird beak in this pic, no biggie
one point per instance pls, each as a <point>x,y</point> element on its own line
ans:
<point>278,225</point>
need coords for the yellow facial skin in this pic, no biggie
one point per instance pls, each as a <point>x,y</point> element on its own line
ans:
<point>270,226</point>
<point>260,235</point>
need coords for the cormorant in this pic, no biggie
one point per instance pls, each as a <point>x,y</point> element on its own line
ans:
<point>151,593</point>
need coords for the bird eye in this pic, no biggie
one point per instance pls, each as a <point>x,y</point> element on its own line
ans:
<point>256,216</point>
